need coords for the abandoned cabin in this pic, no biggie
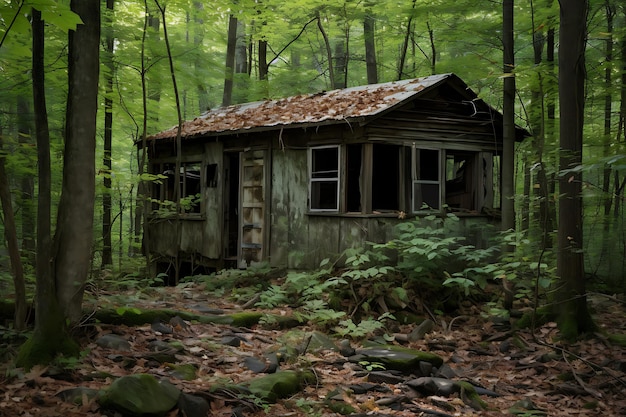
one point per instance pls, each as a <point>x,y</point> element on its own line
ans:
<point>296,180</point>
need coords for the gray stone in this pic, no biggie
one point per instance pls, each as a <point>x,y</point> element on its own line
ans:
<point>387,377</point>
<point>420,331</point>
<point>193,406</point>
<point>76,395</point>
<point>113,341</point>
<point>140,395</point>
<point>397,358</point>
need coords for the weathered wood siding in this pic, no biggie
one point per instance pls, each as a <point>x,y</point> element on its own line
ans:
<point>211,229</point>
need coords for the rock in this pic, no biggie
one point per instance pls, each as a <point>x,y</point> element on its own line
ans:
<point>282,384</point>
<point>185,371</point>
<point>364,387</point>
<point>113,341</point>
<point>446,387</point>
<point>387,377</point>
<point>420,331</point>
<point>260,366</point>
<point>345,349</point>
<point>77,395</point>
<point>161,328</point>
<point>140,395</point>
<point>160,346</point>
<point>397,358</point>
<point>206,309</point>
<point>434,386</point>
<point>234,341</point>
<point>192,406</point>
<point>307,341</point>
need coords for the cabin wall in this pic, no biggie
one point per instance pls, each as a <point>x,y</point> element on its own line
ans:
<point>301,240</point>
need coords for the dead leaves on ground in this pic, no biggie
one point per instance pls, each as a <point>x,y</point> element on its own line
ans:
<point>585,379</point>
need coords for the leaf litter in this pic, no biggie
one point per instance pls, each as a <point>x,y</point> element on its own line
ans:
<point>533,376</point>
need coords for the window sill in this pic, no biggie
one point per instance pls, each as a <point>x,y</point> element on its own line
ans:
<point>393,215</point>
<point>190,217</point>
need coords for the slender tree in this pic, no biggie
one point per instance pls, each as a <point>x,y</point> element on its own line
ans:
<point>107,247</point>
<point>10,235</point>
<point>508,134</point>
<point>573,316</point>
<point>229,75</point>
<point>370,45</point>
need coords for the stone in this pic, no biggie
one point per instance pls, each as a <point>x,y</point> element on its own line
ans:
<point>113,341</point>
<point>420,331</point>
<point>387,377</point>
<point>193,406</point>
<point>256,365</point>
<point>397,358</point>
<point>77,395</point>
<point>185,371</point>
<point>140,395</point>
<point>234,341</point>
<point>270,388</point>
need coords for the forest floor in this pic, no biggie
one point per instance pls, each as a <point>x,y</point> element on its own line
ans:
<point>533,374</point>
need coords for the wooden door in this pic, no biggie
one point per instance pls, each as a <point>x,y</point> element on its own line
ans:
<point>252,213</point>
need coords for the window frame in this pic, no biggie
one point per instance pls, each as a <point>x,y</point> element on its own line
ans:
<point>164,188</point>
<point>416,181</point>
<point>333,180</point>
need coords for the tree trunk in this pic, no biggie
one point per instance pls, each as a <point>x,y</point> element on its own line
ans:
<point>329,54</point>
<point>608,108</point>
<point>370,48</point>
<point>10,235</point>
<point>229,74</point>
<point>405,44</point>
<point>107,247</point>
<point>340,65</point>
<point>203,94</point>
<point>26,200</point>
<point>263,67</point>
<point>74,232</point>
<point>572,314</point>
<point>508,134</point>
<point>50,336</point>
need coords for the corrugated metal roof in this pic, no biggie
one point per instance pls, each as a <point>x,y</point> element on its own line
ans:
<point>310,109</point>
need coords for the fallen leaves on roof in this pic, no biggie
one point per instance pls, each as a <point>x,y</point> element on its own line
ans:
<point>336,105</point>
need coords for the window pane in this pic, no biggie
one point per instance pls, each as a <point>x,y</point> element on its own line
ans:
<point>427,164</point>
<point>324,195</point>
<point>426,195</point>
<point>325,163</point>
<point>386,177</point>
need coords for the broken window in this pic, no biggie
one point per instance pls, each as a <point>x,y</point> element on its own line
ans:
<point>426,179</point>
<point>386,167</point>
<point>324,175</point>
<point>387,178</point>
<point>164,191</point>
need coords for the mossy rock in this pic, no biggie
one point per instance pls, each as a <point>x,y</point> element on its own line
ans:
<point>185,371</point>
<point>397,358</point>
<point>270,388</point>
<point>140,395</point>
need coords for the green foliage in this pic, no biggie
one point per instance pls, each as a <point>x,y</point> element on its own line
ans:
<point>363,328</point>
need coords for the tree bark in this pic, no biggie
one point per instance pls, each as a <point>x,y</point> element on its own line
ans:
<point>50,336</point>
<point>107,247</point>
<point>405,44</point>
<point>370,48</point>
<point>572,314</point>
<point>508,134</point>
<point>229,74</point>
<point>27,185</point>
<point>74,232</point>
<point>10,235</point>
